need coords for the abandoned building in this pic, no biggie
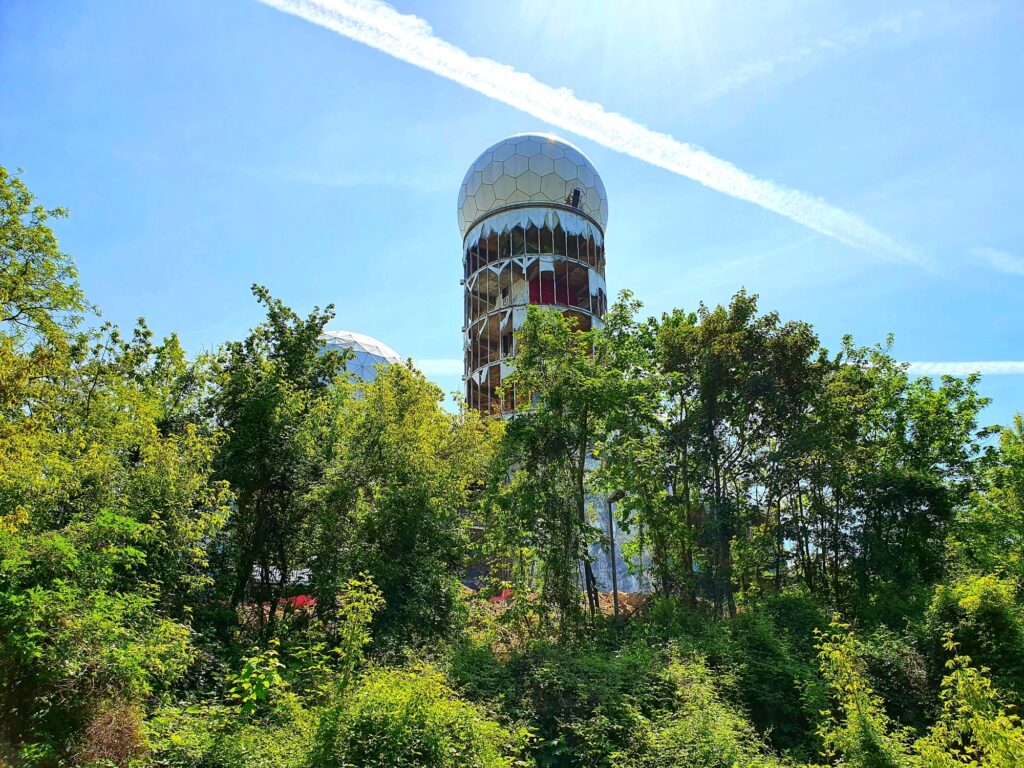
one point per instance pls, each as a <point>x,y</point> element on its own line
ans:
<point>532,212</point>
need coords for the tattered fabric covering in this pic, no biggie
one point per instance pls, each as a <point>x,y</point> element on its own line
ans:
<point>503,223</point>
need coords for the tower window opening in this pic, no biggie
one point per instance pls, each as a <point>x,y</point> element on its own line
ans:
<point>532,239</point>
<point>547,241</point>
<point>518,241</point>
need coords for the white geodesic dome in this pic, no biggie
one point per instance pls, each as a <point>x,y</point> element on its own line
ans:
<point>530,168</point>
<point>367,352</point>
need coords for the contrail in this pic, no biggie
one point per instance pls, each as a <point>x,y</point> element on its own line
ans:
<point>912,24</point>
<point>411,39</point>
<point>990,368</point>
<point>1000,260</point>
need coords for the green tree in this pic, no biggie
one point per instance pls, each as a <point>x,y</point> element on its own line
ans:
<point>397,500</point>
<point>106,502</point>
<point>988,532</point>
<point>736,383</point>
<point>268,389</point>
<point>542,489</point>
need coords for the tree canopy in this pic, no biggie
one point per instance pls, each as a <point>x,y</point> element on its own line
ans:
<point>252,557</point>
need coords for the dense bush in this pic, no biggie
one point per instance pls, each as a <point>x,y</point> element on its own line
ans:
<point>218,736</point>
<point>701,730</point>
<point>584,703</point>
<point>768,654</point>
<point>898,672</point>
<point>974,726</point>
<point>411,718</point>
<point>986,619</point>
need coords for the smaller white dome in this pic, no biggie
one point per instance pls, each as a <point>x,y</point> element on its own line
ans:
<point>367,352</point>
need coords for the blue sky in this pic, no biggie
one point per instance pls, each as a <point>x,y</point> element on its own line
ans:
<point>204,146</point>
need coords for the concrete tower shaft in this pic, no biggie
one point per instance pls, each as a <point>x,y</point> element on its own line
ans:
<point>532,212</point>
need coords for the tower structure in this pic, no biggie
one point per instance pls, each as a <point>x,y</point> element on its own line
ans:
<point>532,212</point>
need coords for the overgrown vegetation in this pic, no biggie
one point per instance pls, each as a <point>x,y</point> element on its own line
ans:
<point>249,558</point>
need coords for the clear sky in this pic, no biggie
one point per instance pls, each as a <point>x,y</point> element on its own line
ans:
<point>203,146</point>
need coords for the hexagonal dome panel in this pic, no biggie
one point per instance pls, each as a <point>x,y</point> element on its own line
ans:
<point>530,167</point>
<point>528,147</point>
<point>554,151</point>
<point>516,165</point>
<point>529,182</point>
<point>504,186</point>
<point>503,152</point>
<point>485,196</point>
<point>553,187</point>
<point>542,164</point>
<point>566,168</point>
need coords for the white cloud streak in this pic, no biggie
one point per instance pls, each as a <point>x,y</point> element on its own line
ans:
<point>411,39</point>
<point>1000,260</point>
<point>911,24</point>
<point>989,368</point>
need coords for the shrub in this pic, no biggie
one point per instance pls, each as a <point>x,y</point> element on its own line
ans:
<point>975,728</point>
<point>857,730</point>
<point>779,690</point>
<point>769,653</point>
<point>410,717</point>
<point>702,731</point>
<point>986,622</point>
<point>216,736</point>
<point>586,702</point>
<point>898,673</point>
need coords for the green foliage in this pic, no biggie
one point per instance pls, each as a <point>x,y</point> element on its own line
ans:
<point>988,533</point>
<point>856,729</point>
<point>270,716</point>
<point>768,656</point>
<point>540,491</point>
<point>583,703</point>
<point>898,671</point>
<point>405,473</point>
<point>40,298</point>
<point>318,669</point>
<point>214,736</point>
<point>259,680</point>
<point>159,517</point>
<point>269,388</point>
<point>410,717</point>
<point>975,728</point>
<point>616,706</point>
<point>702,730</point>
<point>983,614</point>
<point>753,460</point>
<point>106,504</point>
